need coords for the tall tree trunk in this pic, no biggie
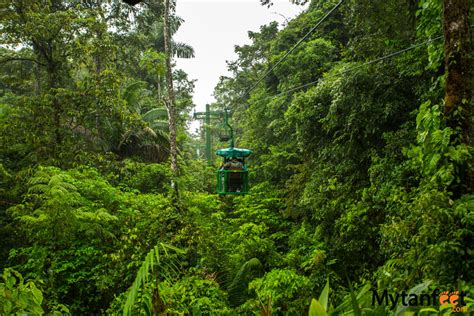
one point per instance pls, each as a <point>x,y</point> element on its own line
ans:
<point>458,88</point>
<point>53,80</point>
<point>169,100</point>
<point>98,71</point>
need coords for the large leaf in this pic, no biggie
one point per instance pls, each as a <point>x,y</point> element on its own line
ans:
<point>316,309</point>
<point>323,298</point>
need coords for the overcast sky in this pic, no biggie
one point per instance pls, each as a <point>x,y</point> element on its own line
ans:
<point>213,28</point>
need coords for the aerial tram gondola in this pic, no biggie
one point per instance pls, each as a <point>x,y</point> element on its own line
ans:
<point>233,175</point>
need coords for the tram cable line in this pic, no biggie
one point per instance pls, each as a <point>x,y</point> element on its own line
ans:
<point>301,40</point>
<point>356,67</point>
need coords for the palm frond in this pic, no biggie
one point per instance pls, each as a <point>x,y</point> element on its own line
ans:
<point>125,138</point>
<point>238,288</point>
<point>154,114</point>
<point>131,93</point>
<point>152,260</point>
<point>160,126</point>
<point>175,24</point>
<point>182,50</point>
<point>147,132</point>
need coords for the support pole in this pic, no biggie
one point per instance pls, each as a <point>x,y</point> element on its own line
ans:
<point>207,116</point>
<point>208,136</point>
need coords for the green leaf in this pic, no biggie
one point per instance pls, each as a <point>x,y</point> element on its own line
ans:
<point>7,307</point>
<point>38,296</point>
<point>323,298</point>
<point>428,309</point>
<point>355,303</point>
<point>196,311</point>
<point>10,281</point>
<point>316,309</point>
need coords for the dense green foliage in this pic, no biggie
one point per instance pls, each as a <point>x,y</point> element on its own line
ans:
<point>356,178</point>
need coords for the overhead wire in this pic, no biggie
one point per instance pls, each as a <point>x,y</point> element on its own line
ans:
<point>356,67</point>
<point>292,49</point>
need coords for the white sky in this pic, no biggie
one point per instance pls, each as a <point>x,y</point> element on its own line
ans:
<point>213,28</point>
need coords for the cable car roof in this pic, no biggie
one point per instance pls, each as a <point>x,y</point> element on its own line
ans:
<point>233,152</point>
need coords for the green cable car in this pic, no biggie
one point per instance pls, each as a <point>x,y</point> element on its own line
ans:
<point>233,175</point>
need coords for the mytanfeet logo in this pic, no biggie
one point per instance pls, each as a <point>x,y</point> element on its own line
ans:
<point>435,298</point>
<point>455,298</point>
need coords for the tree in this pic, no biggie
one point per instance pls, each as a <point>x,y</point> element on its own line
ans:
<point>67,99</point>
<point>458,106</point>
<point>170,99</point>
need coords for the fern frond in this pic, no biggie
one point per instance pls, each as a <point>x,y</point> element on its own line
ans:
<point>100,216</point>
<point>39,179</point>
<point>38,188</point>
